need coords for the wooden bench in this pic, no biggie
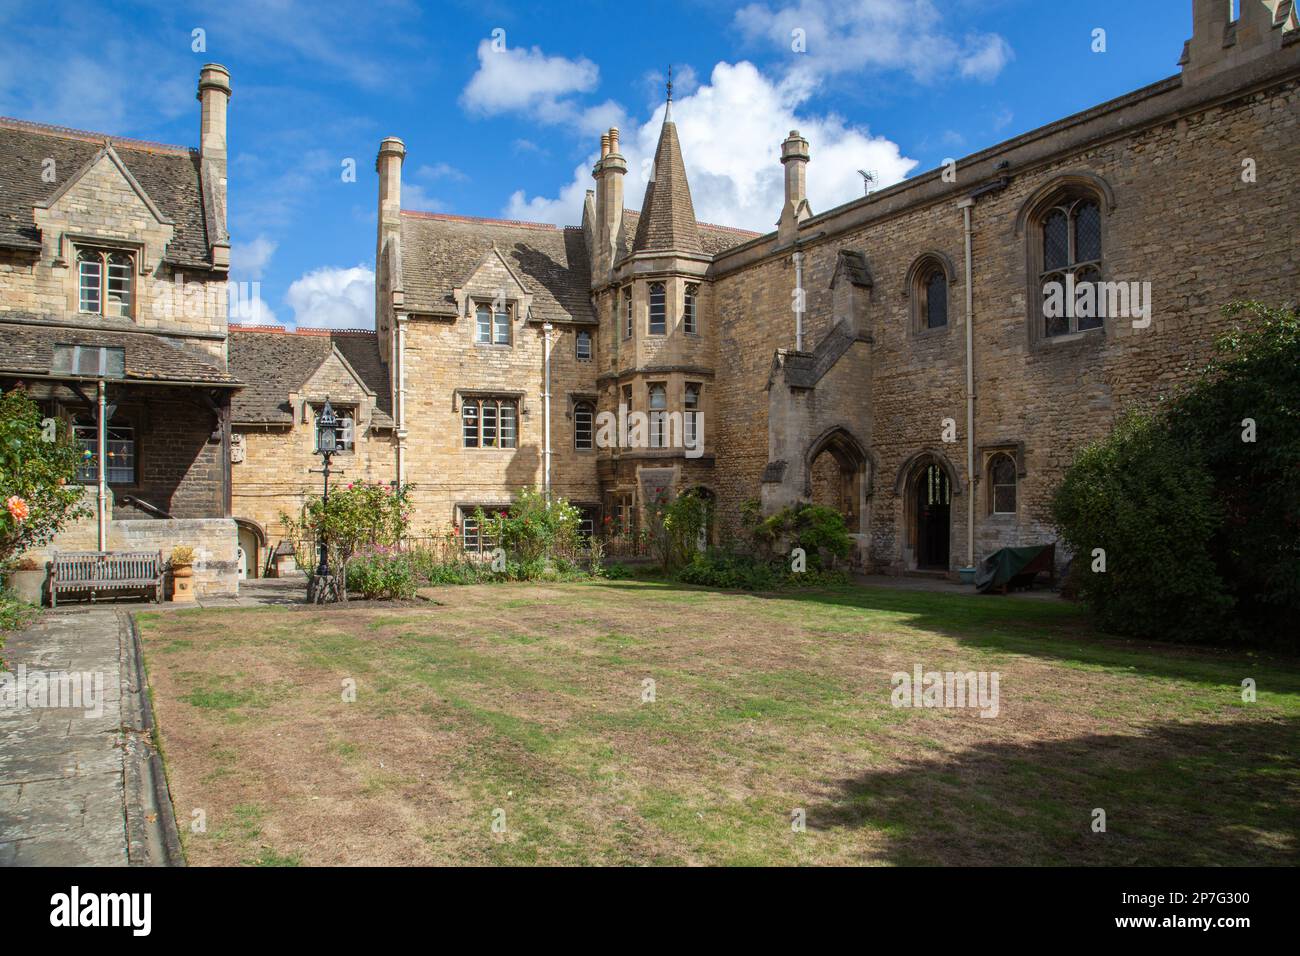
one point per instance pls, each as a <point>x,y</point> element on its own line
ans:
<point>106,571</point>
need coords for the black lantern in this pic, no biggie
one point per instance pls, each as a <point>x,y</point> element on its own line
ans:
<point>326,446</point>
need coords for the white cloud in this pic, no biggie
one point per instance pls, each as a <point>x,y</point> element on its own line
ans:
<point>441,171</point>
<point>986,56</point>
<point>251,258</point>
<point>331,298</point>
<point>518,79</point>
<point>731,131</point>
<point>871,35</point>
<point>415,196</point>
<point>249,306</point>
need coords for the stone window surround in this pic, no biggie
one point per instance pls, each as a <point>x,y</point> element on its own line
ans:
<point>355,409</point>
<point>519,306</point>
<point>1073,185</point>
<point>922,268</point>
<point>69,243</point>
<point>987,452</point>
<point>591,345</point>
<point>649,306</point>
<point>686,288</point>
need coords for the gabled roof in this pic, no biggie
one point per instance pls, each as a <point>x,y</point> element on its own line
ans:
<point>168,175</point>
<point>28,349</point>
<point>275,362</point>
<point>440,252</point>
<point>667,222</point>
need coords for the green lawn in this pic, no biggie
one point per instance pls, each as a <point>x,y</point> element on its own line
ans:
<point>523,705</point>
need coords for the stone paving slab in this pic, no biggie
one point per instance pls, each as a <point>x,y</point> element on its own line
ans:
<point>61,768</point>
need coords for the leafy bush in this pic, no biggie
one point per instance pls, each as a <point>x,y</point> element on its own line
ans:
<point>534,533</point>
<point>391,576</point>
<point>359,517</point>
<point>1200,524</point>
<point>742,572</point>
<point>817,529</point>
<point>1146,501</point>
<point>617,572</point>
<point>38,489</point>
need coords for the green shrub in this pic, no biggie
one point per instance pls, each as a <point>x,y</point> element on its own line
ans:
<point>617,572</point>
<point>817,529</point>
<point>383,576</point>
<point>742,572</point>
<point>1200,525</point>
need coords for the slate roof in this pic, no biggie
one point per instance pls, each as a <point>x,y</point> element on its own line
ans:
<point>273,362</point>
<point>168,174</point>
<point>28,349</point>
<point>667,221</point>
<point>440,251</point>
<point>713,239</point>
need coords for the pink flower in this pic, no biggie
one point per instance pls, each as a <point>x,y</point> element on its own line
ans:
<point>17,508</point>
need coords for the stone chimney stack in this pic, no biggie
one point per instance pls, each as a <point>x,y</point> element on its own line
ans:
<point>1220,43</point>
<point>794,157</point>
<point>214,97</point>
<point>388,164</point>
<point>609,172</point>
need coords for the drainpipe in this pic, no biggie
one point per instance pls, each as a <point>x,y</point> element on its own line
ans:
<point>799,303</point>
<point>399,397</point>
<point>546,411</point>
<point>965,206</point>
<point>101,437</point>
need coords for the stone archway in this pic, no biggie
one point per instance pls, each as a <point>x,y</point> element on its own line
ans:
<point>837,475</point>
<point>928,485</point>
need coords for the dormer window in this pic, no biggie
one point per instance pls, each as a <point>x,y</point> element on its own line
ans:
<point>344,431</point>
<point>493,325</point>
<point>104,282</point>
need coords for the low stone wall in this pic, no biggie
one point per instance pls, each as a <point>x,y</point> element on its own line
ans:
<point>214,541</point>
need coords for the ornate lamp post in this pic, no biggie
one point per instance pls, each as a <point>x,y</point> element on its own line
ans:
<point>326,446</point>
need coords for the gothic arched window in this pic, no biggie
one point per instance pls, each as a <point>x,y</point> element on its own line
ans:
<point>1070,256</point>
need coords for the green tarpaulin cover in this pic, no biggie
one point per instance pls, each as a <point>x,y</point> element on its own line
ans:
<point>1001,566</point>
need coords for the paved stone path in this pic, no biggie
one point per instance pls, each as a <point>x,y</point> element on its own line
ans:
<point>77,784</point>
<point>62,769</point>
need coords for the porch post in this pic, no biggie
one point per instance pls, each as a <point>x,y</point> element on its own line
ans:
<point>101,439</point>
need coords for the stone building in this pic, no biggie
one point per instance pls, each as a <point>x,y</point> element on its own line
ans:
<point>288,377</point>
<point>902,357</point>
<point>113,301</point>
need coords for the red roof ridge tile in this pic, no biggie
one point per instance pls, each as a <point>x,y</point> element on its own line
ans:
<point>67,132</point>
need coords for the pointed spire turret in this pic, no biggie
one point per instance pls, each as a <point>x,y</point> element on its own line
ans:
<point>667,222</point>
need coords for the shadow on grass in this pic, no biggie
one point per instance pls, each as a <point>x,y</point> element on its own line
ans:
<point>1056,630</point>
<point>1182,795</point>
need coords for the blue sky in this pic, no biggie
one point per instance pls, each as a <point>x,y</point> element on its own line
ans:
<point>511,129</point>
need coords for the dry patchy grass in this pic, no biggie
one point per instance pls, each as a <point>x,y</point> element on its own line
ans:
<point>528,699</point>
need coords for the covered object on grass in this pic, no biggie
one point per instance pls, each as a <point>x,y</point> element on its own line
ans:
<point>1014,567</point>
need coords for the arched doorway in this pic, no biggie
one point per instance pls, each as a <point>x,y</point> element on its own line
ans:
<point>932,501</point>
<point>837,476</point>
<point>252,544</point>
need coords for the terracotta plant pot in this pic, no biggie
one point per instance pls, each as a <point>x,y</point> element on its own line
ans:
<point>182,582</point>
